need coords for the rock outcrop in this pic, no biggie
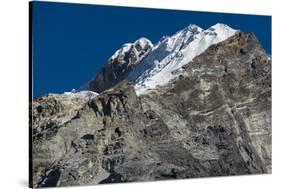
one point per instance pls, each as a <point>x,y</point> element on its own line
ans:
<point>214,119</point>
<point>120,65</point>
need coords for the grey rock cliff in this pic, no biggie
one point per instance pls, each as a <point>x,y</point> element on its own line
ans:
<point>213,120</point>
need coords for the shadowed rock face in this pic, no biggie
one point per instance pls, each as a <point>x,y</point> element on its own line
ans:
<point>118,67</point>
<point>213,120</point>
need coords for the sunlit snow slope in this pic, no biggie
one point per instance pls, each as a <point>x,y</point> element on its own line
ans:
<point>171,53</point>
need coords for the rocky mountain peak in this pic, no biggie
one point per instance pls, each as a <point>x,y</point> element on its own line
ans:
<point>197,105</point>
<point>190,30</point>
<point>137,49</point>
<point>119,65</point>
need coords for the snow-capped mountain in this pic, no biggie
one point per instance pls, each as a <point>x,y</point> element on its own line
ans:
<point>212,119</point>
<point>173,52</point>
<point>149,66</point>
<point>139,48</point>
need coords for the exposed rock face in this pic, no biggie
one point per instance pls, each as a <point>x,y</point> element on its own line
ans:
<point>213,120</point>
<point>223,101</point>
<point>120,64</point>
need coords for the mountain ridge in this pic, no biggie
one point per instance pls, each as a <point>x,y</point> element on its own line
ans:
<point>159,60</point>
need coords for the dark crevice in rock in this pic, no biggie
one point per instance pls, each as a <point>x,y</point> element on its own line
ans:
<point>51,179</point>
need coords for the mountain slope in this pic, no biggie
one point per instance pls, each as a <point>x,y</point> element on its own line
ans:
<point>180,49</point>
<point>212,119</point>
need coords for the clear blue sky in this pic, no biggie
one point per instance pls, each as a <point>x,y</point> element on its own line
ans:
<point>72,42</point>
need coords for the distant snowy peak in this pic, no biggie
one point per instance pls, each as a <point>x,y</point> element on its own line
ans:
<point>171,53</point>
<point>142,42</point>
<point>221,30</point>
<point>181,37</point>
<point>138,47</point>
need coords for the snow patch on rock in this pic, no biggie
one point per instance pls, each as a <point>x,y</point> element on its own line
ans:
<point>82,94</point>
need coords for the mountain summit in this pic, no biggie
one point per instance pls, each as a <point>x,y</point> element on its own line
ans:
<point>149,66</point>
<point>173,52</point>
